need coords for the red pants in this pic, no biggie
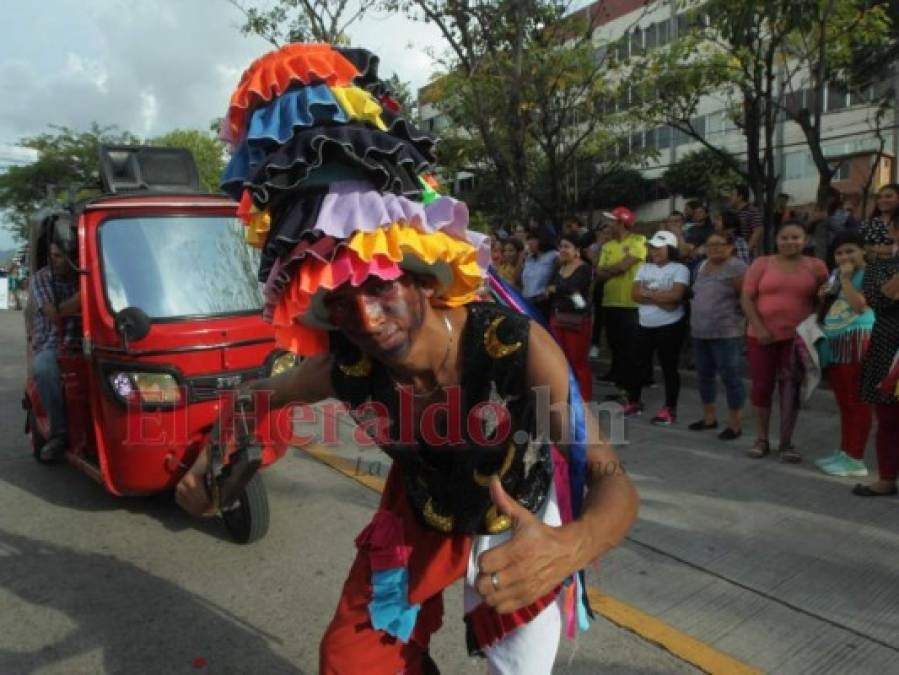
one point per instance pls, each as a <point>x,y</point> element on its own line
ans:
<point>855,415</point>
<point>776,364</point>
<point>887,441</point>
<point>351,646</point>
<point>576,346</point>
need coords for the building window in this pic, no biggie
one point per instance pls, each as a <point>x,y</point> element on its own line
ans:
<point>637,42</point>
<point>650,140</point>
<point>795,101</point>
<point>664,33</point>
<point>622,52</point>
<point>842,171</point>
<point>698,124</point>
<point>650,37</point>
<point>663,137</point>
<point>637,141</point>
<point>837,98</point>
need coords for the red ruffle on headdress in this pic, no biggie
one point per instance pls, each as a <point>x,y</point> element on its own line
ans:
<point>272,74</point>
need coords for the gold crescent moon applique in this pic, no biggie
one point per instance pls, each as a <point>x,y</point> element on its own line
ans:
<point>362,367</point>
<point>495,521</point>
<point>435,520</point>
<point>484,479</point>
<point>492,344</point>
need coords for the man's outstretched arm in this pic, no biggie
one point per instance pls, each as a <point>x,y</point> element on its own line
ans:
<point>306,383</point>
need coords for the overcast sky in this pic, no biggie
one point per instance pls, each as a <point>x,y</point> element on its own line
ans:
<point>149,66</point>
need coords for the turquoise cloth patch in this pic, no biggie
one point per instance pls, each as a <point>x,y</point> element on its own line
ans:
<point>389,608</point>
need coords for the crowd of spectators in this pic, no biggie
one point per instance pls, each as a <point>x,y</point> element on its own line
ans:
<point>825,303</point>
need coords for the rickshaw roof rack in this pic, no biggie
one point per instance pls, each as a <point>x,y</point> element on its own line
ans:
<point>142,168</point>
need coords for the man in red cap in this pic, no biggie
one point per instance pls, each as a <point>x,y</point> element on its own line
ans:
<point>617,266</point>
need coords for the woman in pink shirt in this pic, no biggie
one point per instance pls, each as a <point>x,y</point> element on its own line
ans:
<point>779,292</point>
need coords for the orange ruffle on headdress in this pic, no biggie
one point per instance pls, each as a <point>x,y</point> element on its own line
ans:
<point>274,73</point>
<point>417,251</point>
<point>315,276</point>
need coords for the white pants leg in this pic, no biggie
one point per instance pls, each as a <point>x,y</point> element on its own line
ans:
<point>529,649</point>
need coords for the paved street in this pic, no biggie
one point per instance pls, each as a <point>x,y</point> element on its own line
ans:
<point>775,566</point>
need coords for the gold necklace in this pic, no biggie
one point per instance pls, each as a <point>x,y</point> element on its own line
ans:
<point>433,390</point>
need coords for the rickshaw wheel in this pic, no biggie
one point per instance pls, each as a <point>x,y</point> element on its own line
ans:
<point>247,521</point>
<point>37,440</point>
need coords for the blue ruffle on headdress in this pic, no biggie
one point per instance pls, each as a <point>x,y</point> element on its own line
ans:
<point>275,123</point>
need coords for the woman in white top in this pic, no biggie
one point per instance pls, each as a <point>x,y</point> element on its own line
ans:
<point>659,289</point>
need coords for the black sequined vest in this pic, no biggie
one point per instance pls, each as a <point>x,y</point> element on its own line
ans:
<point>447,483</point>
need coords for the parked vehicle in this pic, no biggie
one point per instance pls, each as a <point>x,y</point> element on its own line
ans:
<point>171,320</point>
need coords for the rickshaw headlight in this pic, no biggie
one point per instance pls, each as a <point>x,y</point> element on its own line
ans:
<point>283,362</point>
<point>152,388</point>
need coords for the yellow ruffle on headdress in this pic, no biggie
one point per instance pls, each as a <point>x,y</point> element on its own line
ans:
<point>359,105</point>
<point>453,262</point>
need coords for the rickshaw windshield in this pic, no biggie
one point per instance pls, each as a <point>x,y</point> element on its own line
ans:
<point>179,266</point>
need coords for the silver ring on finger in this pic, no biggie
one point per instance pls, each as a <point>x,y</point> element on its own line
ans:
<point>494,581</point>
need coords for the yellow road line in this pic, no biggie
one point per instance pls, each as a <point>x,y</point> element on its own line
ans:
<point>689,649</point>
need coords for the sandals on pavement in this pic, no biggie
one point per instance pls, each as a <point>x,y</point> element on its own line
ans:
<point>730,434</point>
<point>702,425</point>
<point>789,454</point>
<point>864,491</point>
<point>759,450</point>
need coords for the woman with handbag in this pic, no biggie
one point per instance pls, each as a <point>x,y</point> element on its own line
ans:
<point>570,321</point>
<point>659,289</point>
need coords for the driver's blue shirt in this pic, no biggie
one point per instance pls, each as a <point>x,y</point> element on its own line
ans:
<point>48,289</point>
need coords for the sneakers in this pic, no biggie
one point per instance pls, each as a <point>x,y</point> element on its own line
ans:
<point>843,465</point>
<point>829,459</point>
<point>665,417</point>
<point>632,409</point>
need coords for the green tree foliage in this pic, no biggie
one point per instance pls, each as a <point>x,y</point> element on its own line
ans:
<point>67,166</point>
<point>702,174</point>
<point>66,159</point>
<point>302,20</point>
<point>522,87</point>
<point>750,54</point>
<point>208,152</point>
<point>822,52</point>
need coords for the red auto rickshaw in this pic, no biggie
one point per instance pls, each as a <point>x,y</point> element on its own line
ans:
<point>171,320</point>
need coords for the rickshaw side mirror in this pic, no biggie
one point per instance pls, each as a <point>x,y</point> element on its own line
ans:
<point>132,323</point>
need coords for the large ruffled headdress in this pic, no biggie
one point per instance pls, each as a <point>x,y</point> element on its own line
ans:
<point>334,187</point>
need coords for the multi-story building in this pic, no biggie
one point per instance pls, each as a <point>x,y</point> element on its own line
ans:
<point>633,27</point>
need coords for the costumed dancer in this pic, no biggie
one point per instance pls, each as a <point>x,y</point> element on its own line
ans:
<point>375,279</point>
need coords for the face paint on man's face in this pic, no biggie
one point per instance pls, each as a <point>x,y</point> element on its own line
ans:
<point>380,317</point>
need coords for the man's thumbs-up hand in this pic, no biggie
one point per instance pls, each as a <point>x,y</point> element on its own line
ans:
<point>528,566</point>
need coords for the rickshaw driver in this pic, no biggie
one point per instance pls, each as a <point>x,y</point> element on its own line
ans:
<point>395,324</point>
<point>56,298</point>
